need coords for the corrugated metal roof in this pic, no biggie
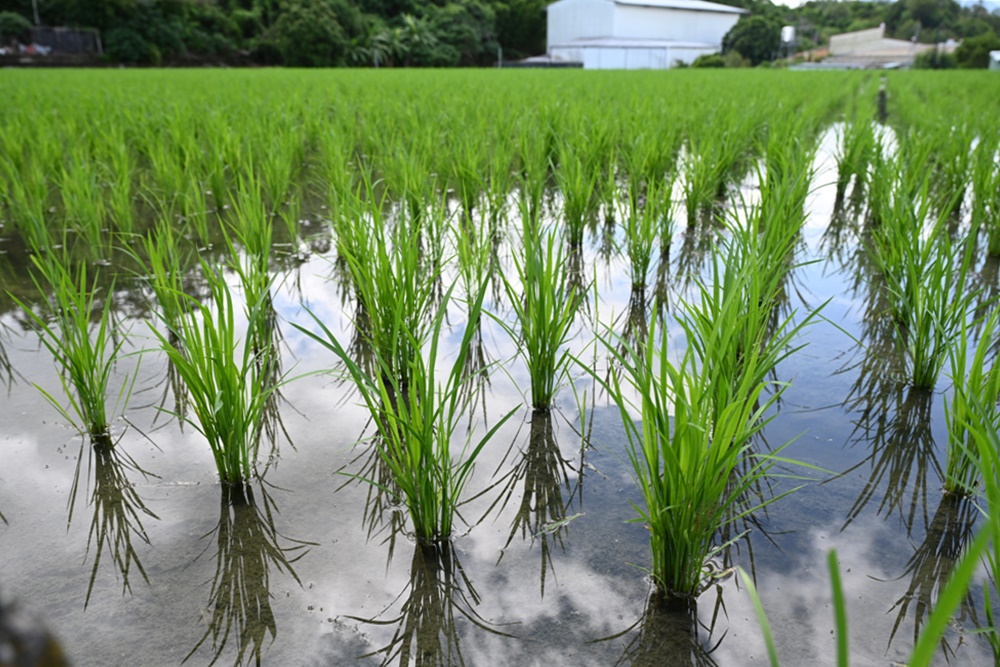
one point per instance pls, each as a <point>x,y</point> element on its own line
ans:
<point>620,43</point>
<point>690,5</point>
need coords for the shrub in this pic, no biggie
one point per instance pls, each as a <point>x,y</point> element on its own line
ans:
<point>974,52</point>
<point>309,35</point>
<point>756,38</point>
<point>934,59</point>
<point>125,45</point>
<point>709,60</point>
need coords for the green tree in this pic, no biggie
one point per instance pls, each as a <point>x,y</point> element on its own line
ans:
<point>12,26</point>
<point>469,28</point>
<point>520,27</point>
<point>125,45</point>
<point>313,34</point>
<point>756,38</point>
<point>974,52</point>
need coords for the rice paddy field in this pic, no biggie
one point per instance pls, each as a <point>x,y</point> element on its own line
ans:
<point>501,367</point>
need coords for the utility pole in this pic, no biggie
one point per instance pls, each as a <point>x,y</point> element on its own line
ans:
<point>34,7</point>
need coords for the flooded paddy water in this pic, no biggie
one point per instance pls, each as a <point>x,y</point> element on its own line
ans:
<point>153,562</point>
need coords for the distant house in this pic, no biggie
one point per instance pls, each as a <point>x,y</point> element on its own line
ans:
<point>872,49</point>
<point>636,34</point>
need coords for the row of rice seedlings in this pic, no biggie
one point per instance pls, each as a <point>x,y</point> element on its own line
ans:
<point>84,352</point>
<point>692,451</point>
<point>716,156</point>
<point>417,420</point>
<point>645,204</point>
<point>925,274</point>
<point>642,220</point>
<point>468,169</point>
<point>975,380</point>
<point>577,177</point>
<point>533,168</point>
<point>83,205</point>
<point>951,164</point>
<point>227,394</point>
<point>789,155</point>
<point>856,143</point>
<point>118,175</point>
<point>983,424</point>
<point>544,303</point>
<point>393,283</point>
<point>168,140</point>
<point>986,190</point>
<point>500,181</point>
<point>26,200</point>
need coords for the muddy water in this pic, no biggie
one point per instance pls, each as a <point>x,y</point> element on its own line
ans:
<point>158,564</point>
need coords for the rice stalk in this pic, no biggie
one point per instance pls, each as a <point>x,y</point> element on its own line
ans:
<point>417,423</point>
<point>85,353</point>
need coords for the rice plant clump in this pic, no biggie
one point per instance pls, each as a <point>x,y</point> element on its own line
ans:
<point>417,423</point>
<point>692,448</point>
<point>227,395</point>
<point>976,382</point>
<point>85,353</point>
<point>545,304</point>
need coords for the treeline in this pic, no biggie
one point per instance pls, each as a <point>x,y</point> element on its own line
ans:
<point>301,33</point>
<point>757,37</point>
<point>438,33</point>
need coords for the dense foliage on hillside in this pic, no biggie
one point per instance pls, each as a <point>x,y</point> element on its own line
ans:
<point>440,33</point>
<point>926,21</point>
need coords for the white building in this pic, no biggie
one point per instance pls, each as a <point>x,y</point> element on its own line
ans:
<point>636,34</point>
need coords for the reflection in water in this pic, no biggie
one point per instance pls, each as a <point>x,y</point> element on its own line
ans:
<point>896,426</point>
<point>696,246</point>
<point>476,372</point>
<point>891,420</point>
<point>839,235</point>
<point>248,546</point>
<point>661,289</point>
<point>382,501</point>
<point>950,530</point>
<point>608,245</point>
<point>173,386</point>
<point>987,279</point>
<point>576,278</point>
<point>266,345</point>
<point>118,509</point>
<point>6,369</point>
<point>360,348</point>
<point>541,513</point>
<point>636,329</point>
<point>438,595</point>
<point>669,634</point>
<point>746,516</point>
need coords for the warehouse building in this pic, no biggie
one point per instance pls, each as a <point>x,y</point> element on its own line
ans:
<point>636,34</point>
